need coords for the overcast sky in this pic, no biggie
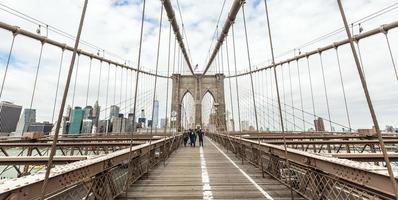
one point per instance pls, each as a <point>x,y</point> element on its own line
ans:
<point>114,25</point>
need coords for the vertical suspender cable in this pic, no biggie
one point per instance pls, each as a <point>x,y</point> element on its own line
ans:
<point>34,85</point>
<point>88,81</point>
<point>311,89</point>
<point>369,101</point>
<point>272,99</point>
<point>360,58</point>
<point>291,98</point>
<point>301,94</point>
<point>343,88</point>
<point>279,99</point>
<point>8,63</point>
<point>114,86</point>
<point>325,89</point>
<point>230,86</point>
<point>135,94</point>
<point>168,80</point>
<point>250,66</point>
<point>156,71</point>
<point>99,81</point>
<point>236,77</point>
<point>390,51</point>
<point>74,87</point>
<point>56,91</point>
<point>61,111</point>
<point>284,97</point>
<point>106,100</point>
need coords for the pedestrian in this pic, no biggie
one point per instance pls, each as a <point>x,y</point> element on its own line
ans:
<point>186,137</point>
<point>200,135</point>
<point>191,137</point>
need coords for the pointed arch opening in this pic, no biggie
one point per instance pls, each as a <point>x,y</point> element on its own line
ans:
<point>209,116</point>
<point>187,110</point>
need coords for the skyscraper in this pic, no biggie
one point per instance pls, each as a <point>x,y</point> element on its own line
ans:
<point>155,117</point>
<point>87,126</point>
<point>9,115</point>
<point>44,127</point>
<point>28,116</point>
<point>76,121</point>
<point>96,114</point>
<point>114,111</point>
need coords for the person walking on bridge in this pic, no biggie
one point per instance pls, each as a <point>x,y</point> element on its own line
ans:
<point>200,135</point>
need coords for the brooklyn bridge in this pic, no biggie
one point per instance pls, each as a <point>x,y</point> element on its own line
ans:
<point>295,99</point>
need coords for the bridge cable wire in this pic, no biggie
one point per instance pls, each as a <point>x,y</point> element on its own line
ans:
<point>369,101</point>
<point>279,100</point>
<point>35,86</point>
<point>156,71</point>
<point>8,63</point>
<point>57,87</point>
<point>343,88</point>
<point>75,81</point>
<point>135,95</point>
<point>325,89</point>
<point>230,87</point>
<point>391,54</point>
<point>167,84</point>
<point>236,78</point>
<point>60,114</point>
<point>291,95</point>
<point>88,81</point>
<point>249,60</point>
<point>311,88</point>
<point>99,80</point>
<point>107,98</point>
<point>283,97</point>
<point>301,93</point>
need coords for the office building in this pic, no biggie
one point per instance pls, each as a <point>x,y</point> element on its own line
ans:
<point>88,112</point>
<point>155,117</point>
<point>9,115</point>
<point>119,125</point>
<point>163,123</point>
<point>102,126</point>
<point>77,115</point>
<point>28,116</point>
<point>44,127</point>
<point>87,126</point>
<point>114,111</point>
<point>96,114</point>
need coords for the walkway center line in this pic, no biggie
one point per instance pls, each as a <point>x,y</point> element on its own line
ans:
<point>207,194</point>
<point>266,195</point>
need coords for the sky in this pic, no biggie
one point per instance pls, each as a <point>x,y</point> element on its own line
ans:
<point>112,28</point>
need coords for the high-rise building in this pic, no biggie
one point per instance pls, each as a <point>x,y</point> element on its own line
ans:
<point>119,125</point>
<point>114,111</point>
<point>88,112</point>
<point>87,126</point>
<point>96,114</point>
<point>163,123</point>
<point>76,121</point>
<point>9,115</point>
<point>44,127</point>
<point>102,125</point>
<point>28,116</point>
<point>155,117</point>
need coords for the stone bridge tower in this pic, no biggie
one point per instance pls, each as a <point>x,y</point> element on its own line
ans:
<point>198,86</point>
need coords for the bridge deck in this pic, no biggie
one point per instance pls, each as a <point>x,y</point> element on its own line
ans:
<point>206,173</point>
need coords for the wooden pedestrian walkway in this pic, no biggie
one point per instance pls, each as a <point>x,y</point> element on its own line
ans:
<point>206,173</point>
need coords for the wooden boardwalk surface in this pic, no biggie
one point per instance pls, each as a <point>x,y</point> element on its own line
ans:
<point>206,173</point>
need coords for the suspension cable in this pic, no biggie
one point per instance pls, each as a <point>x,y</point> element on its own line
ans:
<point>284,96</point>
<point>88,81</point>
<point>301,93</point>
<point>156,71</point>
<point>56,91</point>
<point>343,88</point>
<point>360,58</point>
<point>236,78</point>
<point>168,80</point>
<point>107,98</point>
<point>75,81</point>
<point>135,94</point>
<point>391,54</point>
<point>60,114</point>
<point>230,85</point>
<point>291,95</point>
<point>369,101</point>
<point>279,99</point>
<point>325,89</point>
<point>311,88</point>
<point>248,58</point>
<point>99,81</point>
<point>8,63</point>
<point>35,85</point>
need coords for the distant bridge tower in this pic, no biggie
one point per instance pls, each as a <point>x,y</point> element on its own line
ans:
<point>198,86</point>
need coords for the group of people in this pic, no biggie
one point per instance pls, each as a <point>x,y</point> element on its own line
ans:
<point>191,135</point>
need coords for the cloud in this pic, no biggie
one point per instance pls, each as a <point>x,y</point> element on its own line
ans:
<point>115,26</point>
